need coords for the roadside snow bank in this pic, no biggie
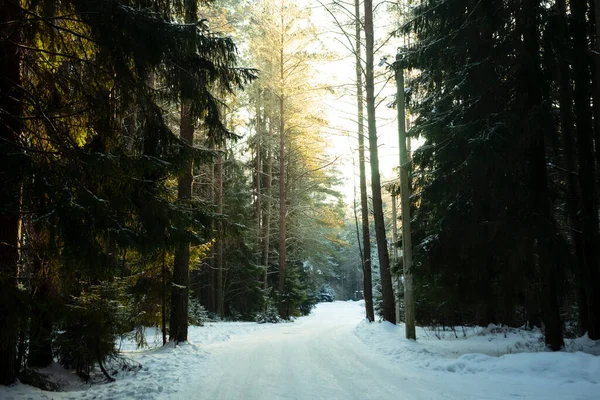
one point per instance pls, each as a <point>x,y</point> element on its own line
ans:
<point>485,351</point>
<point>165,370</point>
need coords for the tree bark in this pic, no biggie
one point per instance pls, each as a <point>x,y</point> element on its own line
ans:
<point>258,177</point>
<point>569,151</point>
<point>595,11</point>
<point>541,206</point>
<point>283,308</point>
<point>267,211</point>
<point>409,299</point>
<point>387,290</point>
<point>395,252</point>
<point>181,268</point>
<point>212,264</point>
<point>10,181</point>
<point>364,203</point>
<point>220,289</point>
<point>587,167</point>
<point>178,328</point>
<point>282,210</point>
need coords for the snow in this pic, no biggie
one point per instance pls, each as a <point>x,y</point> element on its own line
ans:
<point>501,353</point>
<point>165,370</point>
<point>335,354</point>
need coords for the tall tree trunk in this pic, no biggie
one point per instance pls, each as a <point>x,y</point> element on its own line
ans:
<point>10,181</point>
<point>181,275</point>
<point>283,308</point>
<point>395,252</point>
<point>569,151</point>
<point>212,274</point>
<point>267,211</point>
<point>595,61</point>
<point>181,267</point>
<point>387,290</point>
<point>364,203</point>
<point>220,289</point>
<point>587,167</point>
<point>405,168</point>
<point>258,177</point>
<point>541,206</point>
<point>282,211</point>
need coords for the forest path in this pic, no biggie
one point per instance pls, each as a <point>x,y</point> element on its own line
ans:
<point>321,357</point>
<point>316,357</point>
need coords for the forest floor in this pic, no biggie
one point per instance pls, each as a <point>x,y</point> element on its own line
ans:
<point>335,354</point>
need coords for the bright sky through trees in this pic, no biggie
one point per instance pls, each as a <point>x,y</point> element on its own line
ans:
<point>341,102</point>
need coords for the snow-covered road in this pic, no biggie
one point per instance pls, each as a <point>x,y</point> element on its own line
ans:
<point>315,358</point>
<point>334,355</point>
<point>320,357</point>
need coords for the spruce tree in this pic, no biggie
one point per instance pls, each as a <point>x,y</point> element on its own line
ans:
<point>98,150</point>
<point>489,242</point>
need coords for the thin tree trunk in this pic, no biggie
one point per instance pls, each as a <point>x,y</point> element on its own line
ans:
<point>181,277</point>
<point>258,178</point>
<point>595,10</point>
<point>364,203</point>
<point>387,290</point>
<point>267,212</point>
<point>567,136</point>
<point>282,210</point>
<point>587,170</point>
<point>405,168</point>
<point>10,181</point>
<point>395,252</point>
<point>358,235</point>
<point>220,288</point>
<point>163,301</point>
<point>212,284</point>
<point>283,309</point>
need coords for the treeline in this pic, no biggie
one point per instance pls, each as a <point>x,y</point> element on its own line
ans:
<point>507,100</point>
<point>124,202</point>
<point>298,214</point>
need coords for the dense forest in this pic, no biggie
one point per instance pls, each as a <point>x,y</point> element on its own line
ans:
<point>166,163</point>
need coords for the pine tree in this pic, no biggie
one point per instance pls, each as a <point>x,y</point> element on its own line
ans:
<point>280,38</point>
<point>388,310</point>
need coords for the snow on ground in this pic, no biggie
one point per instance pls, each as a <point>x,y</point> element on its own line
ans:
<point>165,370</point>
<point>335,354</point>
<point>492,351</point>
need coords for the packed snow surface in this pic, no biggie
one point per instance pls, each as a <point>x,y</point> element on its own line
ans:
<point>335,354</point>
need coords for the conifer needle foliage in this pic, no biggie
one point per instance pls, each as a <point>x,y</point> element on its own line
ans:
<point>93,156</point>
